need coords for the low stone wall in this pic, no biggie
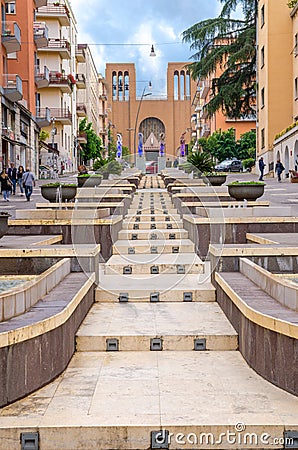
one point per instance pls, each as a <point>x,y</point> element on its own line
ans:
<point>280,289</point>
<point>23,298</point>
<point>271,354</point>
<point>28,364</point>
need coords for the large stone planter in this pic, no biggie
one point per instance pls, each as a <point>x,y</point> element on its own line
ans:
<point>3,223</point>
<point>243,191</point>
<point>90,181</point>
<point>50,193</point>
<point>68,193</point>
<point>216,180</point>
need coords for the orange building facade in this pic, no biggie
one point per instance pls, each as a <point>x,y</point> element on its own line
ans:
<point>157,118</point>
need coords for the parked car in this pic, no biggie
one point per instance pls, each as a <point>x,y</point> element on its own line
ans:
<point>151,167</point>
<point>229,165</point>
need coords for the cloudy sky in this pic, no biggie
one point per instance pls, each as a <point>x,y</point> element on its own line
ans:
<point>102,23</point>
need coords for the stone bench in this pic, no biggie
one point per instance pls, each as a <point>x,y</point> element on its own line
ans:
<point>20,299</point>
<point>37,346</point>
<point>62,214</point>
<point>268,330</point>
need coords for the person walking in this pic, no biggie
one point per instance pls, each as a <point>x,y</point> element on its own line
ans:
<point>20,174</point>
<point>261,168</point>
<point>12,175</point>
<point>279,168</point>
<point>28,183</point>
<point>6,185</point>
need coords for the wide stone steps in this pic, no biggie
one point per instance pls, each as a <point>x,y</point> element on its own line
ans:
<point>151,217</point>
<point>163,234</point>
<point>124,247</point>
<point>170,263</point>
<point>155,288</point>
<point>177,326</point>
<point>160,225</point>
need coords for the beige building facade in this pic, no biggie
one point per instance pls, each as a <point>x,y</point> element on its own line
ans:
<point>159,119</point>
<point>277,65</point>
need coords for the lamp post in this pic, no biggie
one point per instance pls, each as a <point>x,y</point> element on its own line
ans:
<point>137,118</point>
<point>53,132</point>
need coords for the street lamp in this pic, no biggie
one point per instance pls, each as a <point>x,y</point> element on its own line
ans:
<point>137,118</point>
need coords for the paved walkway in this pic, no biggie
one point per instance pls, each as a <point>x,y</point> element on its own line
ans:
<point>114,399</point>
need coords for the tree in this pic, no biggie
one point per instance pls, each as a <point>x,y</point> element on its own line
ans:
<point>222,144</point>
<point>247,145</point>
<point>227,45</point>
<point>93,149</point>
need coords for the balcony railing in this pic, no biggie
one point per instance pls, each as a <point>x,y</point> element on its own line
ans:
<point>41,34</point>
<point>13,87</point>
<point>81,110</point>
<point>80,81</point>
<point>58,45</point>
<point>204,89</point>
<point>57,79</point>
<point>60,13</point>
<point>8,132</point>
<point>43,117</point>
<point>42,79</point>
<point>82,137</point>
<point>62,115</point>
<point>80,53</point>
<point>11,37</point>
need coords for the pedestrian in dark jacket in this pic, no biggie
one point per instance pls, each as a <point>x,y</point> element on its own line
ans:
<point>261,167</point>
<point>12,175</point>
<point>6,185</point>
<point>279,168</point>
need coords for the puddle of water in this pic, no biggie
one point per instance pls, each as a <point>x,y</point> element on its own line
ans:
<point>8,284</point>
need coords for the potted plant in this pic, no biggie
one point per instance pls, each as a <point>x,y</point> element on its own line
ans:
<point>68,191</point>
<point>3,223</point>
<point>50,191</point>
<point>246,190</point>
<point>215,179</point>
<point>89,180</point>
<point>198,163</point>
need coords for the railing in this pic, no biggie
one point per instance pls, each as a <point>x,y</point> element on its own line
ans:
<point>80,78</point>
<point>58,78</point>
<point>13,81</point>
<point>45,75</point>
<point>11,29</point>
<point>43,113</point>
<point>80,52</point>
<point>81,108</point>
<point>40,29</point>
<point>55,10</point>
<point>8,132</point>
<point>57,43</point>
<point>61,113</point>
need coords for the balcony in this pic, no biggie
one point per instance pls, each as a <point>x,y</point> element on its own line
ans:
<point>82,137</point>
<point>42,79</point>
<point>40,3</point>
<point>62,115</point>
<point>204,89</point>
<point>41,34</point>
<point>80,81</point>
<point>13,87</point>
<point>8,133</point>
<point>11,37</point>
<point>61,46</point>
<point>80,53</point>
<point>205,130</point>
<point>60,13</point>
<point>43,117</point>
<point>81,110</point>
<point>58,80</point>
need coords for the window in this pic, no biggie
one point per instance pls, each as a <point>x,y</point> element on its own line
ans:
<point>295,45</point>
<point>262,15</point>
<point>296,88</point>
<point>262,56</point>
<point>10,8</point>
<point>262,97</point>
<point>263,137</point>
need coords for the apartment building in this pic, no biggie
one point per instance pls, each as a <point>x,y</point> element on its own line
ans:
<point>277,72</point>
<point>203,126</point>
<point>19,42</point>
<point>282,107</point>
<point>57,86</point>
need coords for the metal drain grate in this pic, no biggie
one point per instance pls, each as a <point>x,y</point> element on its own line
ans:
<point>160,439</point>
<point>29,441</point>
<point>200,344</point>
<point>154,270</point>
<point>131,250</point>
<point>187,296</point>
<point>127,270</point>
<point>180,269</point>
<point>123,297</point>
<point>154,297</point>
<point>112,345</point>
<point>156,344</point>
<point>291,439</point>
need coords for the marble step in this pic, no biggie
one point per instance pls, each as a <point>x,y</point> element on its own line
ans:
<point>152,288</point>
<point>124,247</point>
<point>115,400</point>
<point>134,325</point>
<point>133,235</point>
<point>171,263</point>
<point>158,217</point>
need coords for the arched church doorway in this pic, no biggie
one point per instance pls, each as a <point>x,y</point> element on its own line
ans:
<point>152,129</point>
